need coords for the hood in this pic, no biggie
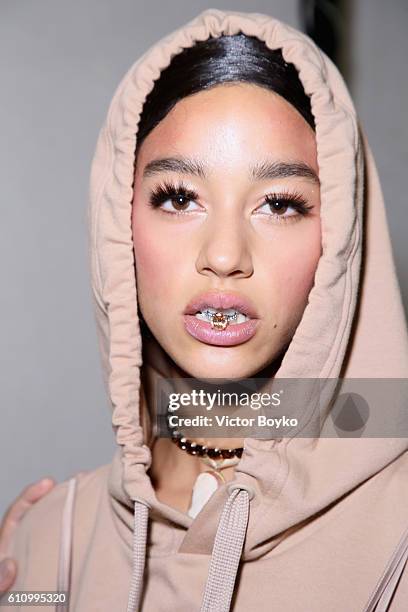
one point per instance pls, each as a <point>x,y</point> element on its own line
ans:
<point>352,327</point>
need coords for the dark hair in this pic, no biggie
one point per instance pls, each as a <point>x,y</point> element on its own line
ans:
<point>219,60</point>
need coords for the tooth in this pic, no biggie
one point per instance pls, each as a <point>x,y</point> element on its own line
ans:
<point>240,318</point>
<point>229,311</point>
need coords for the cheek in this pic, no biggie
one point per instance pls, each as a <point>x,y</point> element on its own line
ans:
<point>294,263</point>
<point>157,259</point>
<point>303,262</point>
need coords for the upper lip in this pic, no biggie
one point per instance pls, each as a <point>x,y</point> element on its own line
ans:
<point>222,301</point>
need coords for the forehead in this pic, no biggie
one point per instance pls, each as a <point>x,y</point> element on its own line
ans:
<point>229,124</point>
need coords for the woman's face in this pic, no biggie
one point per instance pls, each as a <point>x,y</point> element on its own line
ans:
<point>235,240</point>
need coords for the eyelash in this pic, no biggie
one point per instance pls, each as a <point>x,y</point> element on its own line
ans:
<point>169,191</point>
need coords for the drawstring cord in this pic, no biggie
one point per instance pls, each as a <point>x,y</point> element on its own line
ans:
<point>65,552</point>
<point>227,551</point>
<point>141,517</point>
<point>225,557</point>
<point>385,589</point>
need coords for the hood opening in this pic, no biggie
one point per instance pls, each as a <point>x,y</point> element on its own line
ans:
<point>279,484</point>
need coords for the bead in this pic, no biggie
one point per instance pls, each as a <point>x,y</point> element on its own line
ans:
<point>201,450</point>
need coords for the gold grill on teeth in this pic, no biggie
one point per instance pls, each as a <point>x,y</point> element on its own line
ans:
<point>219,320</point>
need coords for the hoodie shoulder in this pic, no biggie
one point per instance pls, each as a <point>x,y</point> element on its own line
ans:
<point>36,543</point>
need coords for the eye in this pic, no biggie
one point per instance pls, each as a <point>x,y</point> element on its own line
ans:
<point>283,206</point>
<point>174,199</point>
<point>180,203</point>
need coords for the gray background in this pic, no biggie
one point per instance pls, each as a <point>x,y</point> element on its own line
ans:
<point>60,64</point>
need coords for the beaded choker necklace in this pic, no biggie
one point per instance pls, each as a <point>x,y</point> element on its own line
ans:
<point>217,458</point>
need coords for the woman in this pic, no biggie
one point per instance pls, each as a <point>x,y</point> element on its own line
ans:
<point>235,227</point>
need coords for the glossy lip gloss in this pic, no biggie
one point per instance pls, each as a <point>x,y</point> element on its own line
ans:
<point>234,334</point>
<point>231,336</point>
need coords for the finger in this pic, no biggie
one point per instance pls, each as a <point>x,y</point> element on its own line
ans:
<point>8,572</point>
<point>16,511</point>
<point>31,494</point>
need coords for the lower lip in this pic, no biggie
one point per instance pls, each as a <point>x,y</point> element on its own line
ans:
<point>232,335</point>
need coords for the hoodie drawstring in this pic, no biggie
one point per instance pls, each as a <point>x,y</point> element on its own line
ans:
<point>140,524</point>
<point>225,557</point>
<point>385,589</point>
<point>227,551</point>
<point>65,551</point>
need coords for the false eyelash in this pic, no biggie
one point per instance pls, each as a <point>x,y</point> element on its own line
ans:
<point>290,198</point>
<point>167,191</point>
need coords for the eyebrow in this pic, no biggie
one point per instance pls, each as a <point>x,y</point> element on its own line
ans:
<point>263,170</point>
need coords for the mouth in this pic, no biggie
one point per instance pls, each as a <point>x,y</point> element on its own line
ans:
<point>226,303</point>
<point>221,319</point>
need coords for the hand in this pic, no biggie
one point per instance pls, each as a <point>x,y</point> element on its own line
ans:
<point>29,496</point>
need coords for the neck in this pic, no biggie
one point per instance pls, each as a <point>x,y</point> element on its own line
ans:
<point>174,471</point>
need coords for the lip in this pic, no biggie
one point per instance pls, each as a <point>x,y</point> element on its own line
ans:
<point>216,299</point>
<point>232,335</point>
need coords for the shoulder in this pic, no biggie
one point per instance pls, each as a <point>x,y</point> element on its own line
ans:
<point>36,543</point>
<point>396,495</point>
<point>46,513</point>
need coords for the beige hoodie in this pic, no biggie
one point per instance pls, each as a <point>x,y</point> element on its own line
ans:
<point>313,524</point>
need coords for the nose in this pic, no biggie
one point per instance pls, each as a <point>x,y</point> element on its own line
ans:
<point>225,251</point>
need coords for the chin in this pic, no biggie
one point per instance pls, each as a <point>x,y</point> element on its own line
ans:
<point>210,362</point>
